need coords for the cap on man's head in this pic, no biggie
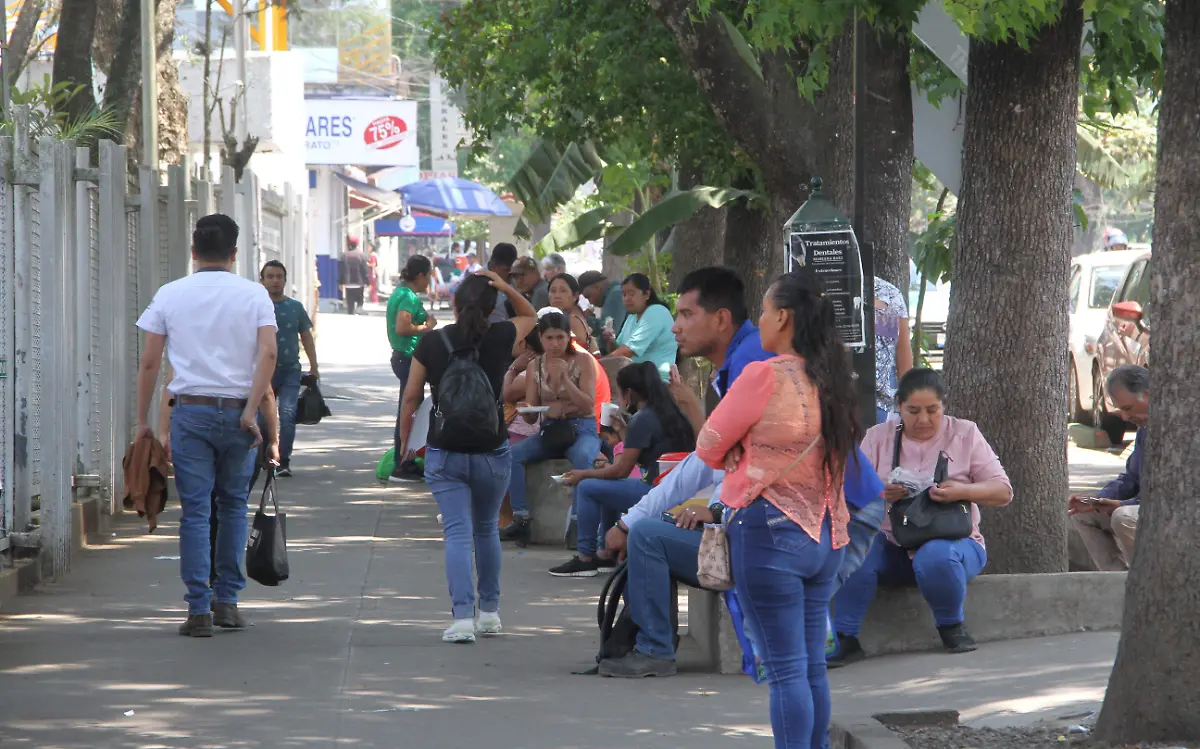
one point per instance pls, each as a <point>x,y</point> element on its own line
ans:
<point>352,242</point>
<point>590,278</point>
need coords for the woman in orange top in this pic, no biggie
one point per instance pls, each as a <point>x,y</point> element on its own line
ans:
<point>783,433</point>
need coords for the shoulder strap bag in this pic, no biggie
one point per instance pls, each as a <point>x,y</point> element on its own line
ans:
<point>918,519</point>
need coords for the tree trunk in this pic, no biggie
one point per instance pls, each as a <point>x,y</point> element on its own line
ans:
<point>887,132</point>
<point>754,248</point>
<point>73,62</point>
<point>1154,692</point>
<point>125,72</point>
<point>108,33</point>
<point>700,241</point>
<point>1007,337</point>
<point>22,38</point>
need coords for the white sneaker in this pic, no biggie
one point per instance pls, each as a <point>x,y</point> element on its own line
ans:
<point>440,519</point>
<point>488,623</point>
<point>462,631</point>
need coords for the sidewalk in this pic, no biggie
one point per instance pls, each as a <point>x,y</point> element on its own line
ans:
<point>348,651</point>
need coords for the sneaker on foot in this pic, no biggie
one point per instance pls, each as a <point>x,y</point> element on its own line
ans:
<point>405,478</point>
<point>957,639</point>
<point>488,623</point>
<point>636,665</point>
<point>283,473</point>
<point>849,650</point>
<point>440,519</point>
<point>197,625</point>
<point>576,567</point>
<point>227,616</point>
<point>605,564</point>
<point>518,530</point>
<point>462,631</point>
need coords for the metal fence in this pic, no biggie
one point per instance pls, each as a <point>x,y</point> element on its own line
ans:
<point>85,248</point>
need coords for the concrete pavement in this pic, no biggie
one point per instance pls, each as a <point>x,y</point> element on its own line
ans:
<point>348,652</point>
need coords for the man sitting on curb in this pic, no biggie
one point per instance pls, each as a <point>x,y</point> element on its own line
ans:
<point>1108,525</point>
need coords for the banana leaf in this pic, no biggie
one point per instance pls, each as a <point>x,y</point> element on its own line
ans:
<point>672,209</point>
<point>550,175</point>
<point>571,234</point>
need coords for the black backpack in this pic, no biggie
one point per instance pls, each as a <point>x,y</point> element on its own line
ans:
<point>468,416</point>
<point>618,633</point>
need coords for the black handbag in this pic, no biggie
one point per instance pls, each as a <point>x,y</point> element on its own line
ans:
<point>266,553</point>
<point>557,437</point>
<point>918,519</point>
<point>310,406</point>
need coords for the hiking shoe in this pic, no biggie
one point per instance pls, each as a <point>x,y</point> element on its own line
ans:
<point>957,639</point>
<point>518,530</point>
<point>283,473</point>
<point>572,536</point>
<point>849,651</point>
<point>461,632</point>
<point>636,665</point>
<point>197,625</point>
<point>227,616</point>
<point>488,623</point>
<point>577,567</point>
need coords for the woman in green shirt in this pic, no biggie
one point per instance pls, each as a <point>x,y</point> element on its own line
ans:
<point>646,335</point>
<point>407,321</point>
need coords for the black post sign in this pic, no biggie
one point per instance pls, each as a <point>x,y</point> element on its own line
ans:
<point>833,255</point>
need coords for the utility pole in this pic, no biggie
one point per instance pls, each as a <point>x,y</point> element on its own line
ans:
<point>241,40</point>
<point>149,87</point>
<point>5,94</point>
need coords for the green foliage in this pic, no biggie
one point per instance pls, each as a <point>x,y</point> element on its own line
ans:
<point>47,103</point>
<point>570,234</point>
<point>933,254</point>
<point>1016,21</point>
<point>495,164</point>
<point>1126,38</point>
<point>932,77</point>
<point>672,209</point>
<point>549,177</point>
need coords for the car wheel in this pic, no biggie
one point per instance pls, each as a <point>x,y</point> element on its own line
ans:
<point>1113,426</point>
<point>1075,412</point>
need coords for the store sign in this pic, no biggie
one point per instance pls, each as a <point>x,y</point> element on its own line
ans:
<point>833,256</point>
<point>446,124</point>
<point>361,132</point>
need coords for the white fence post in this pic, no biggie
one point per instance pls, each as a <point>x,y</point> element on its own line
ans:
<point>84,320</point>
<point>116,370</point>
<point>7,240</point>
<point>149,266</point>
<point>26,363</point>
<point>177,223</point>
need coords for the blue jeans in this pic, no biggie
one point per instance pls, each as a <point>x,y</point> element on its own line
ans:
<point>940,569</point>
<point>581,454</point>
<point>864,526</point>
<point>784,579</point>
<point>598,505</point>
<point>657,551</point>
<point>211,453</point>
<point>286,384</point>
<point>468,489</point>
<point>401,364</point>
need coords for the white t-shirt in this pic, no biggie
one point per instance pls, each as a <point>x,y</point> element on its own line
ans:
<point>211,320</point>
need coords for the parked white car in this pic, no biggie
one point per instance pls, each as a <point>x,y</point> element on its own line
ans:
<point>1094,281</point>
<point>934,313</point>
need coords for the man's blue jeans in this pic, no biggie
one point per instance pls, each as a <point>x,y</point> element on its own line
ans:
<point>784,580</point>
<point>598,504</point>
<point>469,489</point>
<point>211,453</point>
<point>657,551</point>
<point>582,455</point>
<point>286,384</point>
<point>940,569</point>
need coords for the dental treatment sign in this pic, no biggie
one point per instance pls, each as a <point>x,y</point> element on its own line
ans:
<point>833,256</point>
<point>361,132</point>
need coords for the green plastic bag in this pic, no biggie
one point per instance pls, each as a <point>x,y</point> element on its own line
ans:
<point>386,465</point>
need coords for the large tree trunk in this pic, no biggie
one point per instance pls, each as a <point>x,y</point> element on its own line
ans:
<point>887,132</point>
<point>700,241</point>
<point>73,62</point>
<point>753,249</point>
<point>1154,692</point>
<point>22,38</point>
<point>1007,337</point>
<point>108,33</point>
<point>125,72</point>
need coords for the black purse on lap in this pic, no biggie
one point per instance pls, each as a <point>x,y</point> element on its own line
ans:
<point>918,519</point>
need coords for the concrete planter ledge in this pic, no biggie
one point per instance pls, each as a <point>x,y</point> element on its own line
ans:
<point>999,607</point>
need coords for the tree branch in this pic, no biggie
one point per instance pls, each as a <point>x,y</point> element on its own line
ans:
<point>22,38</point>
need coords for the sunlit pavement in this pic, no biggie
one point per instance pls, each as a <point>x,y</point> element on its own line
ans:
<point>348,651</point>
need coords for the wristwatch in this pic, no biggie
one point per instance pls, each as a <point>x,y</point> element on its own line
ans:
<point>718,511</point>
<point>620,525</point>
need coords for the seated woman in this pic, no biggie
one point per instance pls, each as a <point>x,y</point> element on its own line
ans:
<point>940,568</point>
<point>528,349</point>
<point>562,379</point>
<point>565,296</point>
<point>603,494</point>
<point>646,335</point>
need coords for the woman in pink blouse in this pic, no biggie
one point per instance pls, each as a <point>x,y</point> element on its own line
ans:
<point>940,568</point>
<point>784,432</point>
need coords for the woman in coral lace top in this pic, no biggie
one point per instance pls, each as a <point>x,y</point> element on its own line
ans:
<point>784,432</point>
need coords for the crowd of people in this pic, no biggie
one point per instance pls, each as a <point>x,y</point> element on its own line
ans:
<point>807,494</point>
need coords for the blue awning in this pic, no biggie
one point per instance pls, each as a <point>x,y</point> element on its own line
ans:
<point>427,226</point>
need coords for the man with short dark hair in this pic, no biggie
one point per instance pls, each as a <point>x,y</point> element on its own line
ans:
<point>607,306</point>
<point>501,261</point>
<point>295,328</point>
<point>1107,521</point>
<point>218,331</point>
<point>357,275</point>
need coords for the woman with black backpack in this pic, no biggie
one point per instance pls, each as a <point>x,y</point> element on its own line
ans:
<point>467,462</point>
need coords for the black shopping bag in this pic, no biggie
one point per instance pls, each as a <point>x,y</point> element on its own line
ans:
<point>266,554</point>
<point>310,408</point>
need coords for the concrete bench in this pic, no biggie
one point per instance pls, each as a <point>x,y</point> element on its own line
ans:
<point>999,607</point>
<point>549,502</point>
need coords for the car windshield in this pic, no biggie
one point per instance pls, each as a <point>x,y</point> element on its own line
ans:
<point>1105,280</point>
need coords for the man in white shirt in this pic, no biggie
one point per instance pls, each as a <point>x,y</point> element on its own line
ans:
<point>218,330</point>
